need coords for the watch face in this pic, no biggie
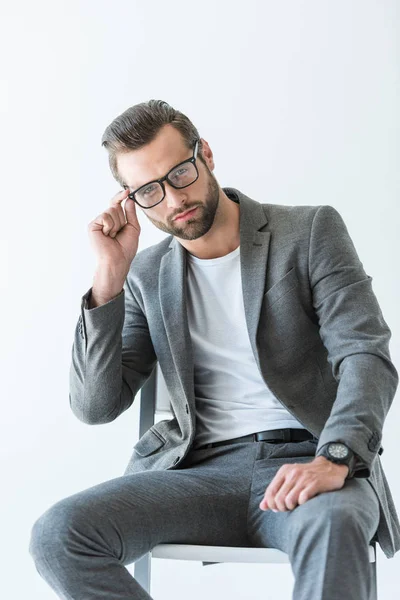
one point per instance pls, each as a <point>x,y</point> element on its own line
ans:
<point>338,450</point>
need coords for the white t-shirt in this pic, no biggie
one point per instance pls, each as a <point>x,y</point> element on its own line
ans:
<point>232,398</point>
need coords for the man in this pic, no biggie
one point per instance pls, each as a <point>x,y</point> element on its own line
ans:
<point>276,357</point>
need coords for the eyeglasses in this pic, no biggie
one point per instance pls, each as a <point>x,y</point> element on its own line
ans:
<point>180,176</point>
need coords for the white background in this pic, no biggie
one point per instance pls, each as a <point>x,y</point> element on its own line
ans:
<point>299,102</point>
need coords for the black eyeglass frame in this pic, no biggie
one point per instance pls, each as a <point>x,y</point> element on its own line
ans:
<point>166,178</point>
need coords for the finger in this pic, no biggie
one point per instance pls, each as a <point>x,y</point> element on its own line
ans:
<point>281,496</point>
<point>107,222</point>
<point>292,497</point>
<point>127,213</point>
<point>119,197</point>
<point>307,493</point>
<point>115,203</point>
<point>274,487</point>
<point>130,212</point>
<point>118,217</point>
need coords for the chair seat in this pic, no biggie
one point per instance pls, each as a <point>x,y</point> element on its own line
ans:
<point>224,554</point>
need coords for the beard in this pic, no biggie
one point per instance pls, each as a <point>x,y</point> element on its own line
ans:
<point>201,222</point>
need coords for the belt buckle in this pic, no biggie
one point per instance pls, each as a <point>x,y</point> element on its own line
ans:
<point>277,439</point>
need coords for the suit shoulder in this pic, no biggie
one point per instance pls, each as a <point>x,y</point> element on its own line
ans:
<point>292,216</point>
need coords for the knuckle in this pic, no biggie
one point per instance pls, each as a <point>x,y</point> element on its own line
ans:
<point>108,220</point>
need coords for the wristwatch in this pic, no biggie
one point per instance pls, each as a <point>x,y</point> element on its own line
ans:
<point>339,453</point>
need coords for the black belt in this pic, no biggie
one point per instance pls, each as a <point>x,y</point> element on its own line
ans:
<point>275,436</point>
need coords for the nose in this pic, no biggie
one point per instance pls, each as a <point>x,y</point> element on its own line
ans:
<point>174,198</point>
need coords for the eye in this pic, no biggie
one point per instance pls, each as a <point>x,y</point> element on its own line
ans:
<point>180,172</point>
<point>148,190</point>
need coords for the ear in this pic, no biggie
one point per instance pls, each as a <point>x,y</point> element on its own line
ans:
<point>207,154</point>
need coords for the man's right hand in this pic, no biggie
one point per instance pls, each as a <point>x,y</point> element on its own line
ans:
<point>114,236</point>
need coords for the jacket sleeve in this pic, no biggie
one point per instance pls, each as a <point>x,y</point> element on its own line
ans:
<point>112,357</point>
<point>356,336</point>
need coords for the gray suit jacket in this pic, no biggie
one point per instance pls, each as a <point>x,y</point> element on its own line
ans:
<point>316,329</point>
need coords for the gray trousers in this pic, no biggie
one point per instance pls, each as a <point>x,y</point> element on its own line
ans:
<point>82,543</point>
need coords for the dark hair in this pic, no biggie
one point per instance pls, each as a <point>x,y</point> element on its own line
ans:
<point>139,125</point>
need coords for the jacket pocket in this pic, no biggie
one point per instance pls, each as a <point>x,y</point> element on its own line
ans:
<point>148,443</point>
<point>281,287</point>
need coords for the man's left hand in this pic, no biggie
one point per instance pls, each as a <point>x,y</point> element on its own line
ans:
<point>296,483</point>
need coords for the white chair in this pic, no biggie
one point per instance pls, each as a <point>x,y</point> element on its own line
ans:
<point>154,406</point>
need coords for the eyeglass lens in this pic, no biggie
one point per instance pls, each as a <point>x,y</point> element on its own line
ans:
<point>182,176</point>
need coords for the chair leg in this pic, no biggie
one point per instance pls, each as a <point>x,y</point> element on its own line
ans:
<point>374,588</point>
<point>142,571</point>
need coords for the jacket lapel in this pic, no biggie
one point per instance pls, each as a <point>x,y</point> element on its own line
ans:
<point>172,296</point>
<point>254,248</point>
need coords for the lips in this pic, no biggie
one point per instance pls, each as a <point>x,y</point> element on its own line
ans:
<point>178,217</point>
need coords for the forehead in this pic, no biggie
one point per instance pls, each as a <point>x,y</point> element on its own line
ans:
<point>154,160</point>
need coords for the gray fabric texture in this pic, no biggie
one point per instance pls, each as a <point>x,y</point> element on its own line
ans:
<point>82,544</point>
